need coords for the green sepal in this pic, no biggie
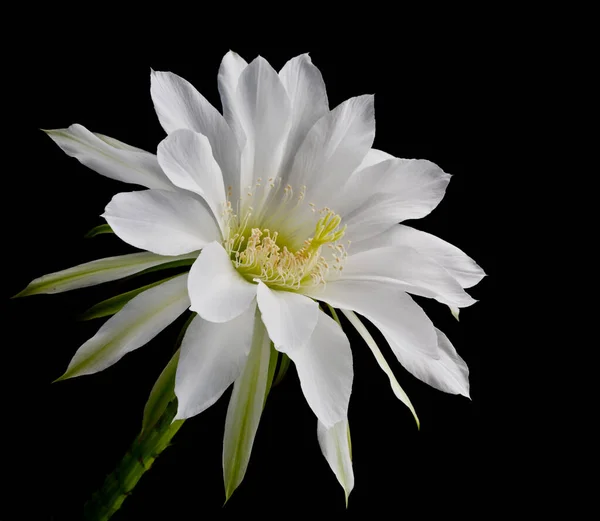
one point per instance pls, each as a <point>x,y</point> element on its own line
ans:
<point>284,364</point>
<point>98,230</point>
<point>334,315</point>
<point>163,391</point>
<point>245,409</point>
<point>272,366</point>
<point>114,304</point>
<point>104,270</point>
<point>349,450</point>
<point>114,338</point>
<point>162,394</point>
<point>166,266</point>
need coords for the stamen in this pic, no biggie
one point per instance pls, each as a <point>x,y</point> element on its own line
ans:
<point>260,252</point>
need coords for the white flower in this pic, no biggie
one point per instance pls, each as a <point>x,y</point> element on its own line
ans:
<point>280,203</point>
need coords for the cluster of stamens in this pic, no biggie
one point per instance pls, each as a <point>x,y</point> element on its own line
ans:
<point>261,253</point>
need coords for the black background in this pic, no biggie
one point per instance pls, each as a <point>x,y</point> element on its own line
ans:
<point>441,106</point>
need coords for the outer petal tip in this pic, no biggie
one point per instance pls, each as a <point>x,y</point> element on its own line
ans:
<point>67,375</point>
<point>455,313</point>
<point>22,293</point>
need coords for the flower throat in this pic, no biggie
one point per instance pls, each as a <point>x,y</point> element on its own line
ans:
<point>258,252</point>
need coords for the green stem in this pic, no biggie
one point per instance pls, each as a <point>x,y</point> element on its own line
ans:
<point>145,449</point>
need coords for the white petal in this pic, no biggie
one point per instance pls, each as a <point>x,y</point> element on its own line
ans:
<point>290,318</point>
<point>422,349</point>
<point>419,346</point>
<point>167,223</point>
<point>110,157</point>
<point>218,292</point>
<point>448,372</point>
<point>386,305</point>
<point>186,158</point>
<point>97,272</point>
<point>308,100</point>
<point>115,143</point>
<point>464,269</point>
<point>179,105</point>
<point>264,112</point>
<point>378,197</point>
<point>410,270</point>
<point>336,447</point>
<point>229,74</point>
<point>366,186</point>
<point>373,157</point>
<point>245,408</point>
<point>324,367</point>
<point>140,320</point>
<point>333,148</point>
<point>212,357</point>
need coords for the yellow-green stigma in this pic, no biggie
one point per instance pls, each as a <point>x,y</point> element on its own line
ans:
<point>263,254</point>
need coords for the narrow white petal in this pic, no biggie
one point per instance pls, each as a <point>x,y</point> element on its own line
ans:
<point>245,408</point>
<point>115,143</point>
<point>324,367</point>
<point>179,105</point>
<point>388,192</point>
<point>186,158</point>
<point>290,318</point>
<point>410,270</point>
<point>229,74</point>
<point>370,341</point>
<point>418,345</point>
<point>167,223</point>
<point>140,320</point>
<point>333,148</point>
<point>212,357</point>
<point>387,305</point>
<point>464,269</point>
<point>264,112</point>
<point>110,157</point>
<point>308,100</point>
<point>97,272</point>
<point>336,447</point>
<point>448,372</point>
<point>218,292</point>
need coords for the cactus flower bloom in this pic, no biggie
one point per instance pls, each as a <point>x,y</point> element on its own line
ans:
<point>283,212</point>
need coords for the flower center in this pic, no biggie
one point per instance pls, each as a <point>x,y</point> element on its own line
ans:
<point>272,254</point>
